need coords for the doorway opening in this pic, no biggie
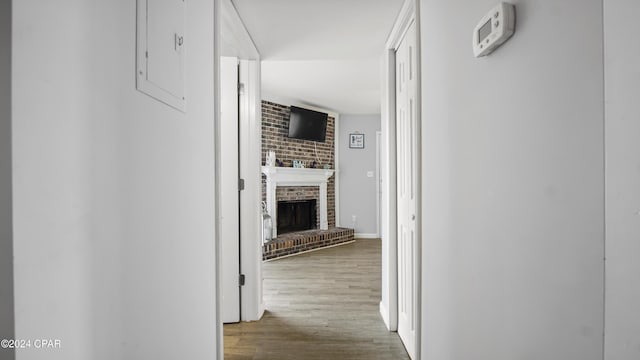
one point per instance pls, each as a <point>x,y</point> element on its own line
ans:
<point>238,166</point>
<point>381,214</point>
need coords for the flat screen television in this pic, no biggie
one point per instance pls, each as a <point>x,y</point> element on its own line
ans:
<point>307,124</point>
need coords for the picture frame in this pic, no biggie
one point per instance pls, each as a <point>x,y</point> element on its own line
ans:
<point>356,141</point>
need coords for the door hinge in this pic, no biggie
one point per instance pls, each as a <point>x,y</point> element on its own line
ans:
<point>240,88</point>
<point>241,279</point>
<point>240,184</point>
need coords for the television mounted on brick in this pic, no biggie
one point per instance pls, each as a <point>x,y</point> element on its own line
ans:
<point>307,124</point>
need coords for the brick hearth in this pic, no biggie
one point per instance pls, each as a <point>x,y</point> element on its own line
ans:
<point>297,242</point>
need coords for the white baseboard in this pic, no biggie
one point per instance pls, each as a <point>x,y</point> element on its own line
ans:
<point>261,310</point>
<point>365,236</point>
<point>385,315</point>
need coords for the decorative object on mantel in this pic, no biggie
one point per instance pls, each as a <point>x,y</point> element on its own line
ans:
<point>298,164</point>
<point>279,163</point>
<point>356,141</point>
<point>314,164</point>
<point>327,166</point>
<point>271,158</point>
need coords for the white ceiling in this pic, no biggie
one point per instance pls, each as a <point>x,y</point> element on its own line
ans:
<point>323,53</point>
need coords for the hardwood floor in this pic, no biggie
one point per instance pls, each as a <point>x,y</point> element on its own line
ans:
<point>321,305</point>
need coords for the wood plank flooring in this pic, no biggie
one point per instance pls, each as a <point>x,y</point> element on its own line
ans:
<point>320,305</point>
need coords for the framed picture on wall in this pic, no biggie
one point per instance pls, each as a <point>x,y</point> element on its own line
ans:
<point>356,141</point>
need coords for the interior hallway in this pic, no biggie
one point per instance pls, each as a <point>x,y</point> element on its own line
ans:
<point>320,305</point>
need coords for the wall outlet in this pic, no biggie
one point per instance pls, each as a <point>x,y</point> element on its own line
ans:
<point>354,219</point>
<point>370,174</point>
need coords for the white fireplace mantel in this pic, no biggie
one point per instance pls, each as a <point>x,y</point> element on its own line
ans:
<point>285,176</point>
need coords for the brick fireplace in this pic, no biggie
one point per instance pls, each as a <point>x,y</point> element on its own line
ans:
<point>275,125</point>
<point>292,184</point>
<point>278,177</point>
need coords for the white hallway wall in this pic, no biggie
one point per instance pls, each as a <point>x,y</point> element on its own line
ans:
<point>113,190</point>
<point>513,173</point>
<point>622,90</point>
<point>97,165</point>
<point>357,191</point>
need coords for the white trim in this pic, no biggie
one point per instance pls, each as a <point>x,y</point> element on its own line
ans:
<point>384,312</point>
<point>336,166</point>
<point>283,176</point>
<point>250,215</point>
<point>418,257</point>
<point>297,176</point>
<point>237,41</point>
<point>216,184</point>
<point>405,17</point>
<point>389,223</point>
<point>366,236</point>
<point>378,185</point>
<point>257,76</point>
<point>229,201</point>
<point>308,251</point>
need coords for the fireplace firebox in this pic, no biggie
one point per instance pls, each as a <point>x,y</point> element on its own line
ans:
<point>296,215</point>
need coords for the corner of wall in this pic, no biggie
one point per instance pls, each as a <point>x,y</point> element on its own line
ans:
<point>7,309</point>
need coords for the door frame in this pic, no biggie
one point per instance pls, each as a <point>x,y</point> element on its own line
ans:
<point>217,19</point>
<point>230,206</point>
<point>378,183</point>
<point>389,303</point>
<point>239,44</point>
<point>250,131</point>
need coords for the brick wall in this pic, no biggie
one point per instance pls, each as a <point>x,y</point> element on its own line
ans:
<point>275,130</point>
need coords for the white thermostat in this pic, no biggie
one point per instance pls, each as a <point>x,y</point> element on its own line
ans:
<point>494,29</point>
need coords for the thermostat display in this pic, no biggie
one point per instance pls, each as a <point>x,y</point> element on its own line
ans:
<point>494,29</point>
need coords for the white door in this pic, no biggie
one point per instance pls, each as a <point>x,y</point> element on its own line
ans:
<point>406,133</point>
<point>229,196</point>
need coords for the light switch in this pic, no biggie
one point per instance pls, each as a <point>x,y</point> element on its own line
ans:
<point>370,174</point>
